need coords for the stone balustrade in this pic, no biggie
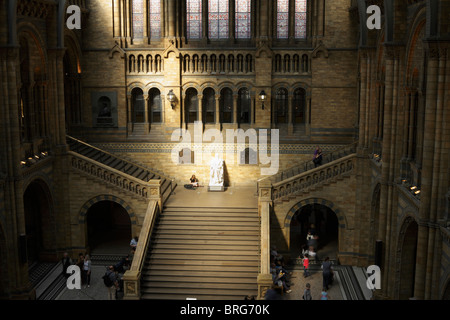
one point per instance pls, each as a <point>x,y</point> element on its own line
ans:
<point>109,175</point>
<point>309,179</point>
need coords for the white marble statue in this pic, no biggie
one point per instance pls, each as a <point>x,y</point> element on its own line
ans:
<point>216,172</point>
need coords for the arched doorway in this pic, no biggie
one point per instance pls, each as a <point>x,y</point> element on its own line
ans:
<point>108,228</point>
<point>321,221</point>
<point>38,226</point>
<point>408,259</point>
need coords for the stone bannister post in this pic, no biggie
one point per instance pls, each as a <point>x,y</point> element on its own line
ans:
<point>264,204</point>
<point>132,277</point>
<point>155,191</point>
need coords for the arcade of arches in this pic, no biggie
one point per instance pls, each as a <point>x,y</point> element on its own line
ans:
<point>82,112</point>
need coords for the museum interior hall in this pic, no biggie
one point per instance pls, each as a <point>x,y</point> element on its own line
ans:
<point>231,137</point>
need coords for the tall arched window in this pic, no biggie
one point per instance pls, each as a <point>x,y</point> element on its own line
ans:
<point>281,106</point>
<point>218,18</point>
<point>301,9</point>
<point>244,106</point>
<point>155,19</point>
<point>243,19</point>
<point>299,104</point>
<point>191,105</point>
<point>138,105</point>
<point>226,106</point>
<point>154,100</point>
<point>194,19</point>
<point>138,19</point>
<point>282,19</point>
<point>209,106</point>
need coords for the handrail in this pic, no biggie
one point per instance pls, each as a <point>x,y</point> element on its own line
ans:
<point>132,277</point>
<point>108,174</point>
<point>119,158</point>
<point>308,165</point>
<point>311,178</point>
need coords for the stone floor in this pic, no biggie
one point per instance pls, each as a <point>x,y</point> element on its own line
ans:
<point>232,196</point>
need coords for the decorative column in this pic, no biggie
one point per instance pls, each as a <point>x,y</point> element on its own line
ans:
<point>427,171</point>
<point>235,109</point>
<point>146,114</point>
<point>217,115</point>
<point>264,279</point>
<point>290,115</point>
<point>200,108</point>
<point>130,114</point>
<point>386,187</point>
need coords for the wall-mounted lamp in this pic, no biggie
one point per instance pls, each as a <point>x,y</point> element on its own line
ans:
<point>263,97</point>
<point>172,98</point>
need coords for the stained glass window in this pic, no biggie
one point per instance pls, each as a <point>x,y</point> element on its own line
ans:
<point>282,19</point>
<point>155,19</point>
<point>138,19</point>
<point>243,19</point>
<point>218,19</point>
<point>300,18</point>
<point>194,19</point>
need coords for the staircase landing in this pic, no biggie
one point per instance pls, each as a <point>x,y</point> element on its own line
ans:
<point>242,197</point>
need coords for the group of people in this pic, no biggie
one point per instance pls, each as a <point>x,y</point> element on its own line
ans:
<point>113,275</point>
<point>83,262</point>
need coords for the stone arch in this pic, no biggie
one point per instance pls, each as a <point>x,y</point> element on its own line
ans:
<point>39,219</point>
<point>343,224</point>
<point>406,250</point>
<point>107,197</point>
<point>136,85</point>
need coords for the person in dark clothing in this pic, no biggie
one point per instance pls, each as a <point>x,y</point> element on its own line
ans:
<point>327,272</point>
<point>317,157</point>
<point>66,262</point>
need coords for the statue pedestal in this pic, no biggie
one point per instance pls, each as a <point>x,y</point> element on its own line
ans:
<point>216,188</point>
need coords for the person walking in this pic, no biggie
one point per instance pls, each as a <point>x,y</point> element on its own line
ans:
<point>112,283</point>
<point>306,266</point>
<point>87,271</point>
<point>327,272</point>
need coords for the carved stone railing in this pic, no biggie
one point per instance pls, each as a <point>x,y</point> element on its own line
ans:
<point>111,176</point>
<point>313,178</point>
<point>132,278</point>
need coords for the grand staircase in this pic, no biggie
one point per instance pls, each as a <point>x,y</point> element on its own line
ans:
<point>203,253</point>
<point>135,171</point>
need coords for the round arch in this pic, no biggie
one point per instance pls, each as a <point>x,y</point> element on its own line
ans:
<point>39,221</point>
<point>341,216</point>
<point>406,257</point>
<point>85,208</point>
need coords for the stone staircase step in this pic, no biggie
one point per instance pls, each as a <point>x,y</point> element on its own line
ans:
<point>218,227</point>
<point>218,295</point>
<point>205,249</point>
<point>192,266</point>
<point>193,217</point>
<point>188,263</point>
<point>210,210</point>
<point>188,222</point>
<point>195,242</point>
<point>215,255</point>
<point>196,284</point>
<point>197,233</point>
<point>176,275</point>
